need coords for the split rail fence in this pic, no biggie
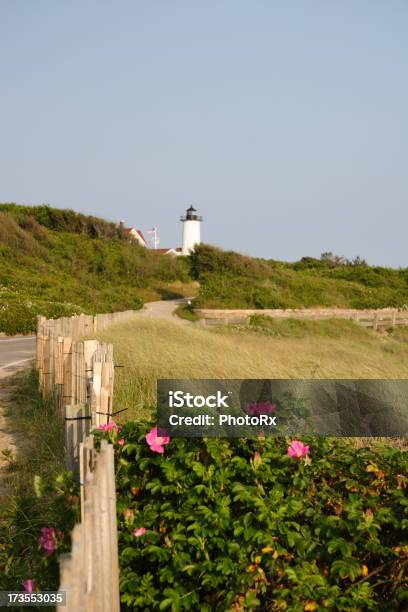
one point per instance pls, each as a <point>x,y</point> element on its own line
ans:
<point>78,376</point>
<point>377,319</point>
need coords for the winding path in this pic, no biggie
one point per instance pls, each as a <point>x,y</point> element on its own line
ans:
<point>164,309</point>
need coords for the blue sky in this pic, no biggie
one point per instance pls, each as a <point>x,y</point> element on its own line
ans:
<point>283,122</point>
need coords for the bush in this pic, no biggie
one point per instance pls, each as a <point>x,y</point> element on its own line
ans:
<point>231,280</point>
<point>58,262</point>
<point>18,313</point>
<point>63,220</point>
<point>218,524</point>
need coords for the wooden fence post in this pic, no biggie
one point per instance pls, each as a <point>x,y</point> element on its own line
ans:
<point>114,558</point>
<point>77,427</point>
<point>375,323</point>
<point>40,347</point>
<point>96,393</point>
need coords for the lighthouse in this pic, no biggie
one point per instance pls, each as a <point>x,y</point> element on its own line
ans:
<point>191,230</point>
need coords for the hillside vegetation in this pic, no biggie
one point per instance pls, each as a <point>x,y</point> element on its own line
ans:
<point>231,280</point>
<point>156,348</point>
<point>58,262</point>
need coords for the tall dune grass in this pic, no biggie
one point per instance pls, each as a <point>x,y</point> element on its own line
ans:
<point>155,348</point>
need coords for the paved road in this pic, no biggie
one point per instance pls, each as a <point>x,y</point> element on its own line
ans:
<point>15,352</point>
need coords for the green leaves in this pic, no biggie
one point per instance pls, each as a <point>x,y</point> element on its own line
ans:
<point>340,545</point>
<point>222,536</point>
<point>346,568</point>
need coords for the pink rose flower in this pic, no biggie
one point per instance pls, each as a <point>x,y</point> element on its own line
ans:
<point>29,585</point>
<point>155,441</point>
<point>47,540</point>
<point>121,441</point>
<point>297,449</point>
<point>139,532</point>
<point>258,408</point>
<point>107,426</point>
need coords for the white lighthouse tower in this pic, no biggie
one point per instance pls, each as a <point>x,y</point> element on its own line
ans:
<point>191,230</point>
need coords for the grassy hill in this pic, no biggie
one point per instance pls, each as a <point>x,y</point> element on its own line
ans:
<point>231,280</point>
<point>59,262</point>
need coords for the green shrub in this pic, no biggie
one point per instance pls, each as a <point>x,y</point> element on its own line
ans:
<point>231,280</point>
<point>238,524</point>
<point>62,220</point>
<point>57,262</point>
<point>18,313</point>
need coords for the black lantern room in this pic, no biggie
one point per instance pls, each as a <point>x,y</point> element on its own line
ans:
<point>191,215</point>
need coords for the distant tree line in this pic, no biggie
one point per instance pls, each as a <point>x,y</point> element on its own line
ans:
<point>339,260</point>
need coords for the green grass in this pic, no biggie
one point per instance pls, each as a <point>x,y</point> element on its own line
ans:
<point>399,333</point>
<point>27,504</point>
<point>56,263</point>
<point>151,349</point>
<point>184,311</point>
<point>231,280</point>
<point>304,328</point>
<point>35,422</point>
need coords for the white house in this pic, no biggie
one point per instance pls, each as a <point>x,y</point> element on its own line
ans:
<point>134,235</point>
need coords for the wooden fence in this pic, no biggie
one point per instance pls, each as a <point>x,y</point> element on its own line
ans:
<point>89,575</point>
<point>377,319</point>
<point>78,375</point>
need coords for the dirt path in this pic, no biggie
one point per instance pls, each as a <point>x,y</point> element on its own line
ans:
<point>164,310</point>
